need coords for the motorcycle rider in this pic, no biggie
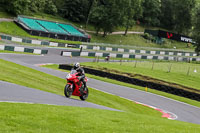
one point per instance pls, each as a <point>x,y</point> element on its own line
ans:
<point>81,73</point>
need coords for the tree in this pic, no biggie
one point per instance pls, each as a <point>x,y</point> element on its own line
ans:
<point>75,10</point>
<point>107,15</point>
<point>196,30</point>
<point>23,7</point>
<point>183,15</point>
<point>167,14</point>
<point>18,6</point>
<point>151,12</point>
<point>50,7</point>
<point>92,3</point>
<point>132,9</point>
<point>177,15</point>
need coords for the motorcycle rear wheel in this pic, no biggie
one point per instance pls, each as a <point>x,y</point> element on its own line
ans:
<point>67,91</point>
<point>84,96</point>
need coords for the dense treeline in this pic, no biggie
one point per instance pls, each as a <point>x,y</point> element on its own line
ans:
<point>175,15</point>
<point>180,16</point>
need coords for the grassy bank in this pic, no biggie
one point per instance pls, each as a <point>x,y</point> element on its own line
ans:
<point>11,28</point>
<point>186,74</point>
<point>45,119</point>
<point>137,40</point>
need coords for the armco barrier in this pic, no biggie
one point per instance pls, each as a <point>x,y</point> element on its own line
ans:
<point>122,50</point>
<point>23,49</point>
<point>172,90</point>
<point>94,47</point>
<point>128,56</point>
<point>37,42</point>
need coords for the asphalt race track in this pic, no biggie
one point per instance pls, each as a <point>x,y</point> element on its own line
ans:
<point>16,93</point>
<point>181,111</point>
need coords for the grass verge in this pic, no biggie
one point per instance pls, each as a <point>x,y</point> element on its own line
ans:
<point>186,74</point>
<point>44,118</point>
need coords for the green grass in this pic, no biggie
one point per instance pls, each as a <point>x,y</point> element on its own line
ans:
<point>137,40</point>
<point>24,76</point>
<point>11,28</point>
<point>48,118</point>
<point>178,73</point>
<point>182,99</point>
<point>44,118</point>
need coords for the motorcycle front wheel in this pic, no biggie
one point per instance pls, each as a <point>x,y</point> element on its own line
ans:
<point>67,91</point>
<point>85,94</point>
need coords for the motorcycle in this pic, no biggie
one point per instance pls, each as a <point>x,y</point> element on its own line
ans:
<point>75,87</point>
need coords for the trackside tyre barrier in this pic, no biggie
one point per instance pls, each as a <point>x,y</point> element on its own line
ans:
<point>23,49</point>
<point>195,95</point>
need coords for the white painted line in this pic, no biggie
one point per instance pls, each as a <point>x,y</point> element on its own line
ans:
<point>2,47</point>
<point>171,53</point>
<point>99,54</point>
<point>83,46</point>
<point>67,54</point>
<point>29,103</point>
<point>37,51</point>
<point>53,44</point>
<point>131,51</point>
<point>19,49</point>
<point>143,51</point>
<point>108,49</point>
<point>150,57</point>
<point>153,52</point>
<point>125,55</point>
<point>96,48</point>
<point>16,39</point>
<point>179,54</point>
<point>113,55</point>
<point>84,53</point>
<point>187,54</point>
<point>36,42</point>
<point>160,57</point>
<point>171,58</point>
<point>138,56</point>
<point>162,53</point>
<point>120,50</point>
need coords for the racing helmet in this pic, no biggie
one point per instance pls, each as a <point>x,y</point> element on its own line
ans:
<point>76,65</point>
